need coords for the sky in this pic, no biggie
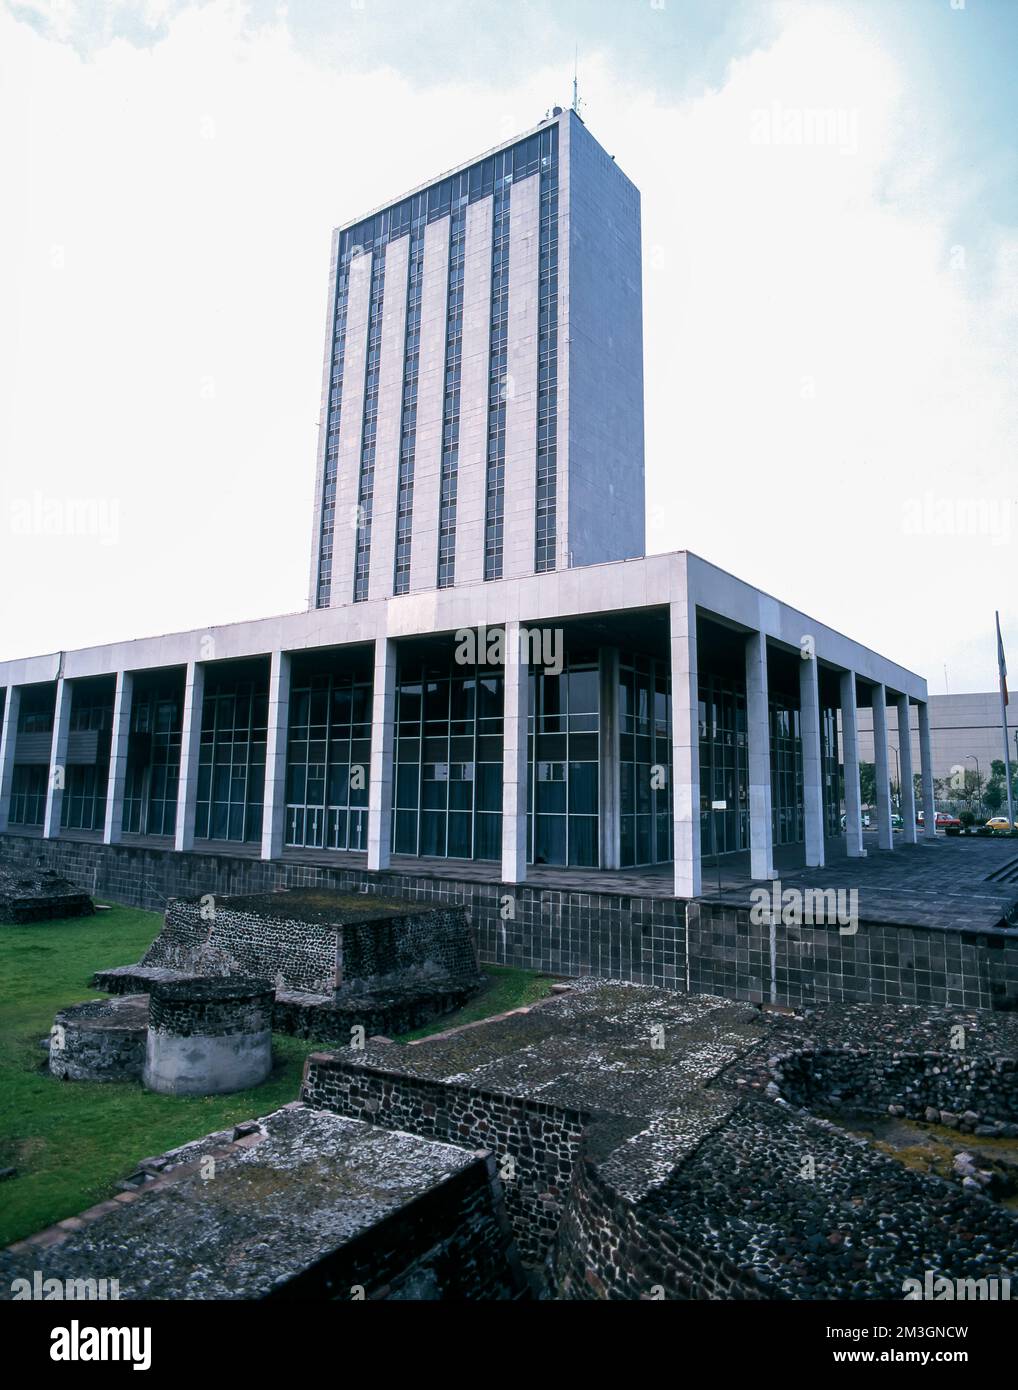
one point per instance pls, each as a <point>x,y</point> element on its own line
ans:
<point>830,228</point>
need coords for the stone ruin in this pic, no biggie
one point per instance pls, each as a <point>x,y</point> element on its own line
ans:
<point>39,895</point>
<point>612,1142</point>
<point>196,1015</point>
<point>336,961</point>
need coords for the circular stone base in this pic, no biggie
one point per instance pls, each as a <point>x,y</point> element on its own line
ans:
<point>208,1036</point>
<point>100,1040</point>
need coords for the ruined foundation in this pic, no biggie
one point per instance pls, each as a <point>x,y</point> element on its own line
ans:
<point>208,1037</point>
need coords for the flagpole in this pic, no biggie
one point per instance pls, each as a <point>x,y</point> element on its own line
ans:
<point>1003,720</point>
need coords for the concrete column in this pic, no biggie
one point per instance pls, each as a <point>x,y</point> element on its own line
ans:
<point>8,743</point>
<point>58,760</point>
<point>761,831</point>
<point>608,723</point>
<point>885,834</point>
<point>274,812</point>
<point>383,726</point>
<point>909,834</point>
<point>926,763</point>
<point>812,761</point>
<point>113,829</point>
<point>190,748</point>
<point>850,756</point>
<point>685,749</point>
<point>514,758</point>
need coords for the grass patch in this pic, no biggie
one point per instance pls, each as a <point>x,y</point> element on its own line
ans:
<point>71,1141</point>
<point>505,989</point>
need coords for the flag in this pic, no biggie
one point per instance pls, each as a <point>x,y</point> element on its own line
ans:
<point>1001,663</point>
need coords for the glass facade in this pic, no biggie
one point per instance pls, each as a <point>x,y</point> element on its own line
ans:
<point>547,356</point>
<point>231,761</point>
<point>29,784</point>
<point>449,483</point>
<point>564,781</point>
<point>83,805</point>
<point>498,364</point>
<point>35,712</point>
<point>448,791</point>
<point>333,419</point>
<point>30,779</point>
<point>787,817</point>
<point>645,757</point>
<point>724,765</point>
<point>328,759</point>
<point>831,770</point>
<point>411,376</point>
<point>153,757</point>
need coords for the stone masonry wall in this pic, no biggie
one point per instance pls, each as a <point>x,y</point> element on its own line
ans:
<point>453,1243</point>
<point>543,1140</point>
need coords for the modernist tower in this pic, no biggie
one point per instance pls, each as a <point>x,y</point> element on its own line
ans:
<point>482,397</point>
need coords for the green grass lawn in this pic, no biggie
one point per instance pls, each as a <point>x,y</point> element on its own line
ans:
<point>70,1141</point>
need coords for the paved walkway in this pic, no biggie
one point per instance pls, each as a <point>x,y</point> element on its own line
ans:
<point>957,882</point>
<point>948,882</point>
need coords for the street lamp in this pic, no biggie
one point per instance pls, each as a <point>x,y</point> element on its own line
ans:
<point>897,764</point>
<point>979,783</point>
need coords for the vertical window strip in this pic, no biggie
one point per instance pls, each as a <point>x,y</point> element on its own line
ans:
<point>547,358</point>
<point>330,475</point>
<point>369,428</point>
<point>494,507</point>
<point>411,377</point>
<point>448,487</point>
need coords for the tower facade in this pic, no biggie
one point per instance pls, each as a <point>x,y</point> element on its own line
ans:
<point>482,399</point>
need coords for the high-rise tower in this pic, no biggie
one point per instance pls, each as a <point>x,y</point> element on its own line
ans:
<point>482,402</point>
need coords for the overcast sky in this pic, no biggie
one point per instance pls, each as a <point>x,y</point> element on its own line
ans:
<point>831,305</point>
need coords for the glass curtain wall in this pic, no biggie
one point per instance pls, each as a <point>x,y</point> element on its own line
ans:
<point>30,778</point>
<point>831,770</point>
<point>645,756</point>
<point>563,785</point>
<point>448,794</point>
<point>724,765</point>
<point>231,762</point>
<point>787,818</point>
<point>91,729</point>
<point>153,758</point>
<point>328,759</point>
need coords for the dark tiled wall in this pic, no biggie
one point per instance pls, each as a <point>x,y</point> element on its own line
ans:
<point>572,933</point>
<point>731,956</point>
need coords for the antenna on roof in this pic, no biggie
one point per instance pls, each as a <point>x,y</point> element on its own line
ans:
<point>577,102</point>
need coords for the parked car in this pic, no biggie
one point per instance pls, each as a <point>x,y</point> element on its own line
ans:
<point>865,821</point>
<point>896,821</point>
<point>948,823</point>
<point>999,823</point>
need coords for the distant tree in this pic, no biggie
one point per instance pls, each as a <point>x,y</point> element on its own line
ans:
<point>868,783</point>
